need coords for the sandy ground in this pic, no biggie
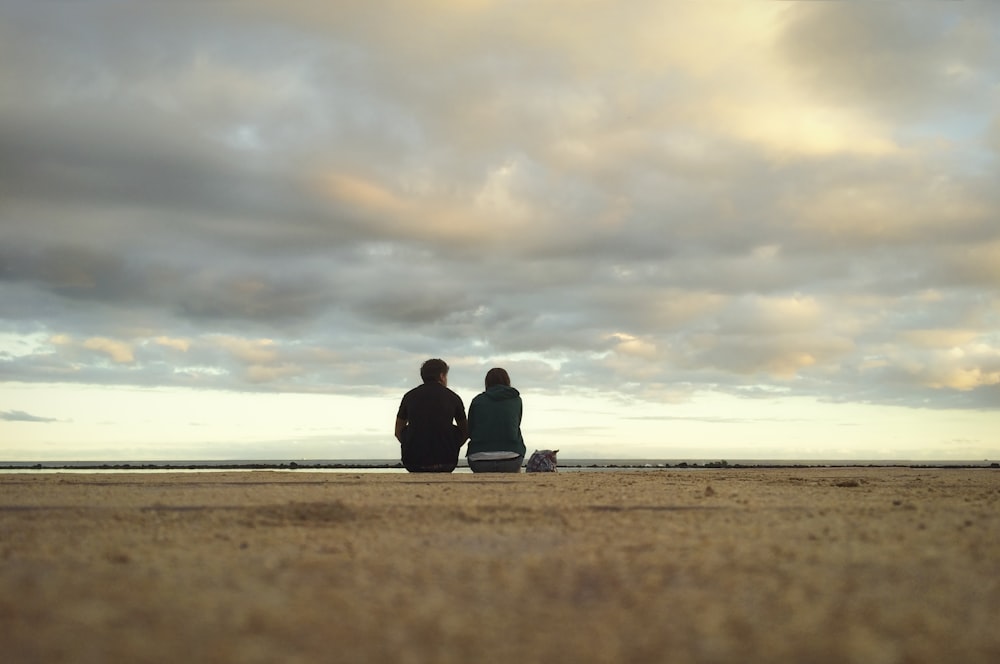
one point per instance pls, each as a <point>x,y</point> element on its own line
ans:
<point>737,565</point>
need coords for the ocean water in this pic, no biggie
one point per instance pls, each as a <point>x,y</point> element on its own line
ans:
<point>393,466</point>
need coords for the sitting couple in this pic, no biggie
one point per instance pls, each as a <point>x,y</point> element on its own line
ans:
<point>431,426</point>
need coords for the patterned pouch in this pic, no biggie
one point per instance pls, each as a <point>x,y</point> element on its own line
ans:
<point>542,461</point>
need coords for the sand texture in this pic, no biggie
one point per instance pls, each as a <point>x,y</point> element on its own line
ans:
<point>733,565</point>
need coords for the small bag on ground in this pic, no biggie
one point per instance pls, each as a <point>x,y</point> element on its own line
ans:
<point>542,461</point>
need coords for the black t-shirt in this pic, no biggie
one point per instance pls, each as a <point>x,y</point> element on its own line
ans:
<point>430,437</point>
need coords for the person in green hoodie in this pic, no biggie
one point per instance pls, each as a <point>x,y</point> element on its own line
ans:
<point>495,441</point>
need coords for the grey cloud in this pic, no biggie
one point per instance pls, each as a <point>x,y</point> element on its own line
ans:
<point>21,416</point>
<point>132,159</point>
<point>886,55</point>
<point>114,279</point>
<point>993,135</point>
<point>413,308</point>
<point>118,186</point>
<point>965,266</point>
<point>779,355</point>
<point>67,269</point>
<point>256,296</point>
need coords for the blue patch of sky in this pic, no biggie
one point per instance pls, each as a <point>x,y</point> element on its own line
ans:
<point>966,131</point>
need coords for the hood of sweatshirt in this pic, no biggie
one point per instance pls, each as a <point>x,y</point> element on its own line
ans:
<point>502,392</point>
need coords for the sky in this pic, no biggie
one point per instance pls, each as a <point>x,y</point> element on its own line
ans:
<point>712,230</point>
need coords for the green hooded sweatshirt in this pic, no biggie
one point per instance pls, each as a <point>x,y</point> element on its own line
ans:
<point>495,421</point>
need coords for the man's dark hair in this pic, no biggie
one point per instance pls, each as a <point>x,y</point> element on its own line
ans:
<point>497,376</point>
<point>431,370</point>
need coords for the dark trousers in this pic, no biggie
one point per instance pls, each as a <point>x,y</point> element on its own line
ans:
<point>431,454</point>
<point>433,468</point>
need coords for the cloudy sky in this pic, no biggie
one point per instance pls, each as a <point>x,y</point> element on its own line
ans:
<point>688,230</point>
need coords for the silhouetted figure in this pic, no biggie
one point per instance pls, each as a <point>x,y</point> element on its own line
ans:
<point>431,425</point>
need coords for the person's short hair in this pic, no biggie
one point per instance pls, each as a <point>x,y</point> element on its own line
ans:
<point>497,376</point>
<point>431,370</point>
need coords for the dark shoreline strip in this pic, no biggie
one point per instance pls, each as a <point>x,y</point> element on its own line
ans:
<point>568,466</point>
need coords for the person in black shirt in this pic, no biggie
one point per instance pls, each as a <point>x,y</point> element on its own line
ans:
<point>431,426</point>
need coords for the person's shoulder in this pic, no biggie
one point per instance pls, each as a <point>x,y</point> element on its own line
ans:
<point>414,390</point>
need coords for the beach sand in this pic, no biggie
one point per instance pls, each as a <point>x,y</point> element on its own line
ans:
<point>731,565</point>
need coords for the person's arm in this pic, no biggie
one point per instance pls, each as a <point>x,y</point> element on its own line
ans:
<point>462,422</point>
<point>400,425</point>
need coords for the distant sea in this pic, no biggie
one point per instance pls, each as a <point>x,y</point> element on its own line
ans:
<point>393,465</point>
